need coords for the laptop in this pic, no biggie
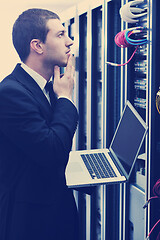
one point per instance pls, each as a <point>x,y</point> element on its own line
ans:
<point>113,165</point>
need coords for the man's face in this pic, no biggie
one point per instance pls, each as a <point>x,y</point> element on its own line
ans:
<point>57,44</point>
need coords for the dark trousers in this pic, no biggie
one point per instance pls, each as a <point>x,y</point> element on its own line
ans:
<point>44,222</point>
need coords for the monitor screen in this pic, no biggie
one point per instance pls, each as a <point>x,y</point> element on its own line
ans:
<point>128,137</point>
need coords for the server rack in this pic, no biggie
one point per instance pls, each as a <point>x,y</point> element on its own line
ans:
<point>107,212</point>
<point>155,131</point>
<point>139,84</point>
<point>89,62</point>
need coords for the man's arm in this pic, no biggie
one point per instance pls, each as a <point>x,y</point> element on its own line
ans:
<point>22,121</point>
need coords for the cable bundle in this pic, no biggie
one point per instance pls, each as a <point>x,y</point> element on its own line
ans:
<point>156,192</point>
<point>158,101</point>
<point>123,40</point>
<point>130,12</point>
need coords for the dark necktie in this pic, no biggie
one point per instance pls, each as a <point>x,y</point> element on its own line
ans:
<point>52,96</point>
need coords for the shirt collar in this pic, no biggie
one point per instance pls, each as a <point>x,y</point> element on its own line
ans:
<point>37,77</point>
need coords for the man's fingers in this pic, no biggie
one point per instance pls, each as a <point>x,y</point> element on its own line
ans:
<point>56,72</point>
<point>63,84</point>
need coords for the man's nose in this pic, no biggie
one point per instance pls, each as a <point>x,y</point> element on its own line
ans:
<point>69,42</point>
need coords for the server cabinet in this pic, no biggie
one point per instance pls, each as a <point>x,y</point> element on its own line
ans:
<point>82,141</point>
<point>155,130</point>
<point>88,20</point>
<point>108,212</point>
<point>140,88</point>
<point>136,218</point>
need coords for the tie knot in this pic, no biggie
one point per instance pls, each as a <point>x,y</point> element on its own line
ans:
<point>49,86</point>
<point>50,92</point>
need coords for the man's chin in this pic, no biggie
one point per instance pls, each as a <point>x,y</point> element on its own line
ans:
<point>62,64</point>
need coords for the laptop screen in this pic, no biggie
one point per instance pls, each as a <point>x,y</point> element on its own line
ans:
<point>128,137</point>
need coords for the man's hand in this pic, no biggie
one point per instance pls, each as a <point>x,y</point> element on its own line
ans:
<point>63,86</point>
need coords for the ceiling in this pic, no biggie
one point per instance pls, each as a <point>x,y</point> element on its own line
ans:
<point>55,5</point>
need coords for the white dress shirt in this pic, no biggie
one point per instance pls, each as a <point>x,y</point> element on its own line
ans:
<point>39,80</point>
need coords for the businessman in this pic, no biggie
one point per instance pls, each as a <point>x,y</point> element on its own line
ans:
<point>37,125</point>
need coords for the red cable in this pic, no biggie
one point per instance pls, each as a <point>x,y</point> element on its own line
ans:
<point>123,64</point>
<point>158,237</point>
<point>156,189</point>
<point>156,192</point>
<point>153,228</point>
<point>120,39</point>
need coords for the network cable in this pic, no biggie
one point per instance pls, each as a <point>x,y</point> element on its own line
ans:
<point>131,13</point>
<point>123,39</point>
<point>156,192</point>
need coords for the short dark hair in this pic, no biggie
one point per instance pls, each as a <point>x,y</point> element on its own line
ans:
<point>31,24</point>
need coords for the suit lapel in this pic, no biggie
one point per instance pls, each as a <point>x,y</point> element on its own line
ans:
<point>30,85</point>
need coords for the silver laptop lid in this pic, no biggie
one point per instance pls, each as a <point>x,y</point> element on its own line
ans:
<point>128,138</point>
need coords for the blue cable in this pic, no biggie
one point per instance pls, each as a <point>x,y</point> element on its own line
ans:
<point>133,41</point>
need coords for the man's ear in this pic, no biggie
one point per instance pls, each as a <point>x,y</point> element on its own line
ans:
<point>37,46</point>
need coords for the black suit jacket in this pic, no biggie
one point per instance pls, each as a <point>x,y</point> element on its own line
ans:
<point>35,141</point>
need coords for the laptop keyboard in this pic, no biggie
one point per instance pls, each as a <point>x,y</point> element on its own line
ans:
<point>98,165</point>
